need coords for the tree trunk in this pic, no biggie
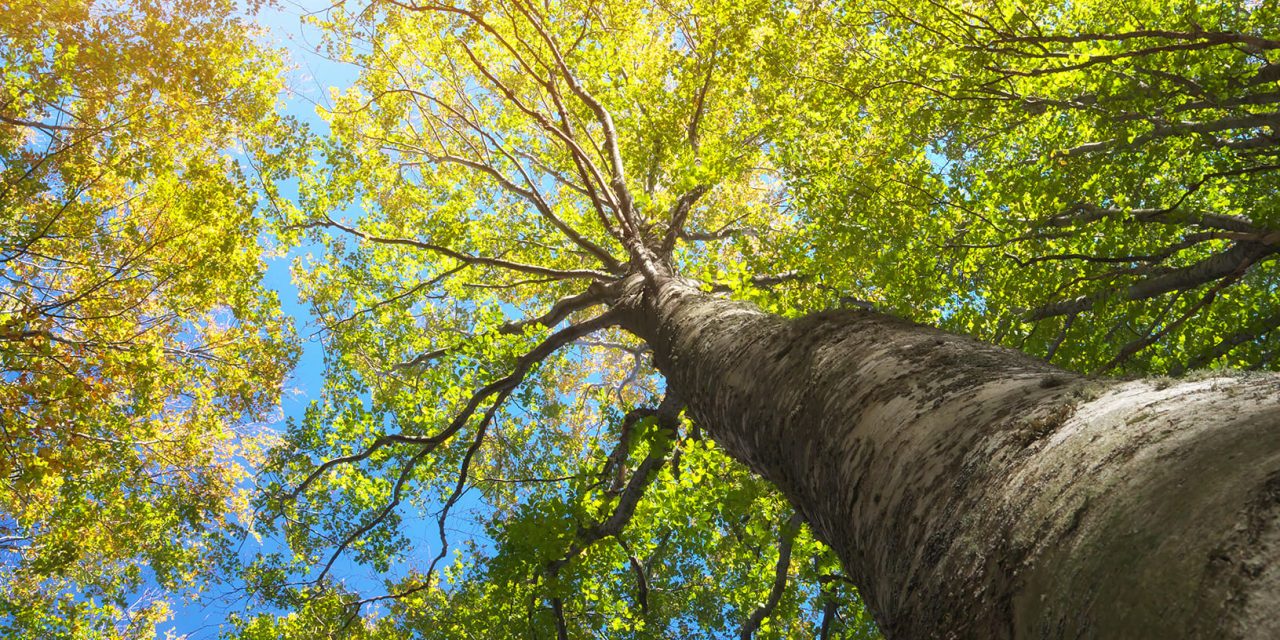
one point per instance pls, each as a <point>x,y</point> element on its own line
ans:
<point>974,492</point>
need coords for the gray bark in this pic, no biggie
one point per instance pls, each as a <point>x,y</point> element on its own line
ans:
<point>974,492</point>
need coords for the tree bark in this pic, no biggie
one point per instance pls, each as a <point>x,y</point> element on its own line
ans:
<point>974,492</point>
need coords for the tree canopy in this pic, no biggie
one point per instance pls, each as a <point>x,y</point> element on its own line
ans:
<point>137,347</point>
<point>1090,183</point>
<point>1095,183</point>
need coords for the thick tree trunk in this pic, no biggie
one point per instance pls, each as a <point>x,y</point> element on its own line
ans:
<point>974,492</point>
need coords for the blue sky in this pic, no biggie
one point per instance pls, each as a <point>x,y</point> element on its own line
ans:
<point>308,80</point>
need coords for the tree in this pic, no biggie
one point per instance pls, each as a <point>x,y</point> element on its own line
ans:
<point>529,306</point>
<point>550,201</point>
<point>137,346</point>
<point>449,241</point>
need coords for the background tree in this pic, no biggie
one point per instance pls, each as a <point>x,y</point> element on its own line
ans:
<point>1094,183</point>
<point>136,343</point>
<point>522,210</point>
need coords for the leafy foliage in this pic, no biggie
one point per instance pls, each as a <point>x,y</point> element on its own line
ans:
<point>1029,174</point>
<point>1091,183</point>
<point>490,165</point>
<point>1086,181</point>
<point>135,340</point>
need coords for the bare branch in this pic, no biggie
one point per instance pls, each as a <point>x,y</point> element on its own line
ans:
<point>559,274</point>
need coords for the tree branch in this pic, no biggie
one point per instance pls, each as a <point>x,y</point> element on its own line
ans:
<point>1225,345</point>
<point>559,274</point>
<point>642,576</point>
<point>562,629</point>
<point>502,388</point>
<point>679,214</point>
<point>668,413</point>
<point>1211,37</point>
<point>766,281</point>
<point>1133,347</point>
<point>789,531</point>
<point>560,310</point>
<point>1238,258</point>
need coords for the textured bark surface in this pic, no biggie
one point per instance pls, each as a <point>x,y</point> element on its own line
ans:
<point>974,492</point>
